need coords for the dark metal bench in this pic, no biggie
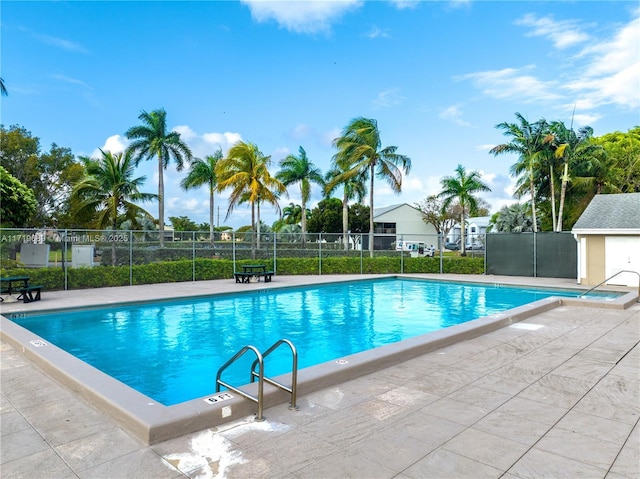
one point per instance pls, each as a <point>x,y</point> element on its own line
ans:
<point>29,294</point>
<point>243,277</point>
<point>246,277</point>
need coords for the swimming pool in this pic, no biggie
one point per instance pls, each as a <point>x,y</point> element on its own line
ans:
<point>170,350</point>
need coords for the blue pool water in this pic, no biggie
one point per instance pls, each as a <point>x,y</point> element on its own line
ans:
<point>171,350</point>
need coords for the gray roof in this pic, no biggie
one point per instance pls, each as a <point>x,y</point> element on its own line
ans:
<point>380,211</point>
<point>611,212</point>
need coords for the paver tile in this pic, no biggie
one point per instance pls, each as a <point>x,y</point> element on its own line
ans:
<point>45,464</point>
<point>345,465</point>
<point>445,464</point>
<point>586,449</point>
<point>486,448</point>
<point>538,464</point>
<point>95,449</point>
<point>21,444</point>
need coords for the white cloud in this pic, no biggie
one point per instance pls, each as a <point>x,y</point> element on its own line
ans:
<point>513,84</point>
<point>311,16</point>
<point>453,113</point>
<point>328,136</point>
<point>612,74</point>
<point>377,32</point>
<point>403,4</point>
<point>563,33</point>
<point>71,80</point>
<point>389,98</point>
<point>114,144</point>
<point>483,147</point>
<point>58,42</point>
<point>222,140</point>
<point>186,133</point>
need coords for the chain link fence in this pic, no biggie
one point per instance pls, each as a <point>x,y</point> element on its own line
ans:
<point>73,259</point>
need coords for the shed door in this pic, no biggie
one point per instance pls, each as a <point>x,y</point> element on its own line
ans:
<point>622,253</point>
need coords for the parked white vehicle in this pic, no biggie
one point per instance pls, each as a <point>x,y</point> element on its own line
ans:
<point>415,248</point>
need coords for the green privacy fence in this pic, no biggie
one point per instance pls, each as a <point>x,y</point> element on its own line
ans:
<point>74,259</point>
<point>547,254</point>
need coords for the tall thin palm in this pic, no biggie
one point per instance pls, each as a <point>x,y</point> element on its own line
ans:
<point>572,147</point>
<point>461,187</point>
<point>152,139</point>
<point>203,172</point>
<point>360,151</point>
<point>352,189</point>
<point>298,169</point>
<point>529,141</point>
<point>246,171</point>
<point>3,88</point>
<point>109,190</point>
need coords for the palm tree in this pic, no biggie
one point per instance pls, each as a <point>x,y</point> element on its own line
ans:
<point>352,189</point>
<point>246,171</point>
<point>361,153</point>
<point>203,172</point>
<point>298,169</point>
<point>3,88</point>
<point>461,187</point>
<point>292,214</point>
<point>571,147</point>
<point>108,190</point>
<point>515,218</point>
<point>151,139</point>
<point>530,141</point>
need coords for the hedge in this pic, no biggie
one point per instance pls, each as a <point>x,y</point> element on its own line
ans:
<point>208,269</point>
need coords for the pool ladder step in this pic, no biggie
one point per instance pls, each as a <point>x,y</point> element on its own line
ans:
<point>259,375</point>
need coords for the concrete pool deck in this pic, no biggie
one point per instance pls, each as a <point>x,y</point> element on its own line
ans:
<point>557,395</point>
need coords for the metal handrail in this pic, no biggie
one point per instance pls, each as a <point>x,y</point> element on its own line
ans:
<point>611,277</point>
<point>260,361</point>
<point>294,371</point>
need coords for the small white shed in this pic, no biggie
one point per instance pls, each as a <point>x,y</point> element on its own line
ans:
<point>608,236</point>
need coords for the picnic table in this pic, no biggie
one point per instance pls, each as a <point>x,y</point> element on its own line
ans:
<point>253,271</point>
<point>25,290</point>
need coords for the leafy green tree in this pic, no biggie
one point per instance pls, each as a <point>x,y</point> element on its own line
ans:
<point>515,218</point>
<point>18,203</point>
<point>530,141</point>
<point>298,169</point>
<point>461,187</point>
<point>361,155</point>
<point>326,217</point>
<point>153,140</point>
<point>434,213</point>
<point>245,170</point>
<point>182,223</point>
<point>203,172</point>
<point>49,175</point>
<point>359,216</point>
<point>109,191</point>
<point>618,171</point>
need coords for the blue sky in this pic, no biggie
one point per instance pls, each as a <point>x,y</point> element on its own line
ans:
<point>437,76</point>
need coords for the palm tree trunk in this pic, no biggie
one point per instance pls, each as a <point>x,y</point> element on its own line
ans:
<point>304,222</point>
<point>160,201</point>
<point>553,197</point>
<point>372,173</point>
<point>463,231</point>
<point>563,191</point>
<point>258,226</point>
<point>345,222</point>
<point>211,213</point>
<point>532,189</point>
<point>253,230</point>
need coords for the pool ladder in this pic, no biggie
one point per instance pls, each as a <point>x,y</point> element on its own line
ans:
<point>259,375</point>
